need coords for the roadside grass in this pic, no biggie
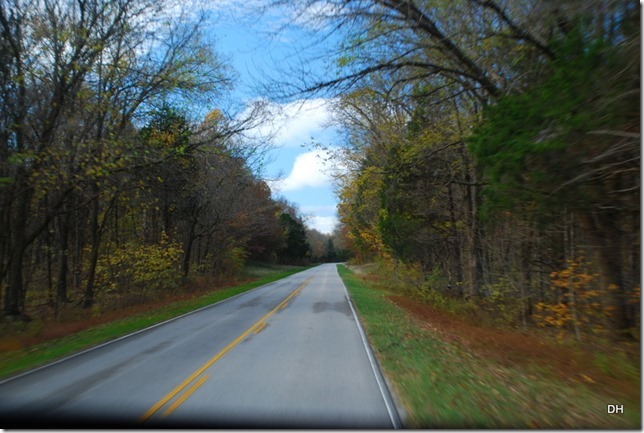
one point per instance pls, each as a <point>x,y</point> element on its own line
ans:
<point>444,384</point>
<point>15,361</point>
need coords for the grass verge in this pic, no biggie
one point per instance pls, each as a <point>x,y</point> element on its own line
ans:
<point>24,359</point>
<point>443,384</point>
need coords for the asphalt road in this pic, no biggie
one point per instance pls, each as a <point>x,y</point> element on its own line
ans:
<point>287,354</point>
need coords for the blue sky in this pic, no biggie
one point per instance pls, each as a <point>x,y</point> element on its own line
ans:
<point>253,47</point>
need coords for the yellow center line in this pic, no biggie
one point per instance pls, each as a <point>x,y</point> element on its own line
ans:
<point>158,405</point>
<point>259,328</point>
<point>185,395</point>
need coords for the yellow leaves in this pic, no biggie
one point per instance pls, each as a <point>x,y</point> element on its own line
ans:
<point>140,268</point>
<point>371,239</point>
<point>71,165</point>
<point>591,293</point>
<point>358,210</point>
<point>214,117</point>
<point>163,139</point>
<point>104,161</point>
<point>232,260</point>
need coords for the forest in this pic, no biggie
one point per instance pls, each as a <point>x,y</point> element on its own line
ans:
<point>492,150</point>
<point>499,161</point>
<point>493,154</point>
<point>111,191</point>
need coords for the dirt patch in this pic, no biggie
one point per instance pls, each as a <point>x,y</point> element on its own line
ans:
<point>515,348</point>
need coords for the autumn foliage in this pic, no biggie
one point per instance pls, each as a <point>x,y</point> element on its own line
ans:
<point>580,302</point>
<point>498,164</point>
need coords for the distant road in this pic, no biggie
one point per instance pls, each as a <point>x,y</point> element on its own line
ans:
<point>287,354</point>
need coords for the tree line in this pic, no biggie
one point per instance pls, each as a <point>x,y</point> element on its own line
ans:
<point>494,152</point>
<point>109,186</point>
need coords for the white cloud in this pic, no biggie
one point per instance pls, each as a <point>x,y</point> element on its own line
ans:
<point>293,124</point>
<point>323,224</point>
<point>302,119</point>
<point>319,209</point>
<point>309,171</point>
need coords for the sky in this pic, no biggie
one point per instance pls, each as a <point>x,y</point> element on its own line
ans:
<point>298,167</point>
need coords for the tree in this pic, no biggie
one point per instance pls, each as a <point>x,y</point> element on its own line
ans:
<point>167,135</point>
<point>410,41</point>
<point>570,144</point>
<point>331,254</point>
<point>318,244</point>
<point>296,247</point>
<point>77,74</point>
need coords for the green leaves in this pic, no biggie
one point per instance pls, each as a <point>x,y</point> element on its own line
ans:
<point>168,130</point>
<point>533,142</point>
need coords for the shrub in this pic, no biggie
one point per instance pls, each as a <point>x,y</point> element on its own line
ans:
<point>139,269</point>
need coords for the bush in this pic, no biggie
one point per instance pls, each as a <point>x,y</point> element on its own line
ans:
<point>233,261</point>
<point>139,269</point>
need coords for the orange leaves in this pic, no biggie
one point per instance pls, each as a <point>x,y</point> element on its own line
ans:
<point>582,304</point>
<point>635,296</point>
<point>572,278</point>
<point>556,315</point>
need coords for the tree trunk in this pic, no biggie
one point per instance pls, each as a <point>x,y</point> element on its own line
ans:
<point>15,291</point>
<point>187,248</point>
<point>526,279</point>
<point>166,210</point>
<point>605,237</point>
<point>457,243</point>
<point>61,283</point>
<point>88,299</point>
<point>475,266</point>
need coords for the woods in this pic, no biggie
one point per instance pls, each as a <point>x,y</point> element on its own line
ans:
<point>494,154</point>
<point>112,191</point>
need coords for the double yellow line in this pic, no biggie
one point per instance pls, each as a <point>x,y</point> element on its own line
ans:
<point>255,328</point>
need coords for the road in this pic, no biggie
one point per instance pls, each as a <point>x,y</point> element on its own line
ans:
<point>287,354</point>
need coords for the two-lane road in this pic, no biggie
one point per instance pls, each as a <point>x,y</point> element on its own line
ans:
<point>287,354</point>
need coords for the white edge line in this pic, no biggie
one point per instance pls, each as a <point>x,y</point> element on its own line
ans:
<point>384,390</point>
<point>123,337</point>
